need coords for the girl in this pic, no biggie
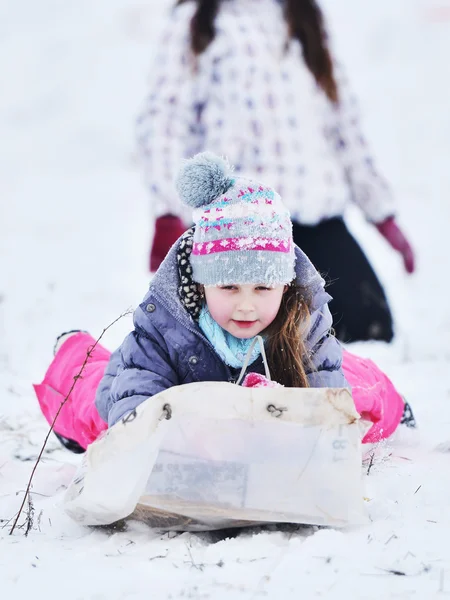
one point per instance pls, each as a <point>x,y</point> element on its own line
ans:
<point>255,80</point>
<point>236,274</point>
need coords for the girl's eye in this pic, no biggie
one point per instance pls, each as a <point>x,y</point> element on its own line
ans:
<point>263,288</point>
<point>228,287</point>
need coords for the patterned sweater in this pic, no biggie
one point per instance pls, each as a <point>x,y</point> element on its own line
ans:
<point>251,99</point>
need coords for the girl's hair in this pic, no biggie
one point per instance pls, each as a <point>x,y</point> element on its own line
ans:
<point>305,23</point>
<point>285,347</point>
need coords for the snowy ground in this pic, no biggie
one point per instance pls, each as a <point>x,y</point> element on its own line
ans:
<point>73,254</point>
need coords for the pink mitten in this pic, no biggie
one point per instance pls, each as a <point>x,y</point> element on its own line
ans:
<point>254,380</point>
<point>393,234</point>
<point>168,229</point>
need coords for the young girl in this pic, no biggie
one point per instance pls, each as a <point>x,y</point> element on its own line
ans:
<point>235,275</point>
<point>255,80</point>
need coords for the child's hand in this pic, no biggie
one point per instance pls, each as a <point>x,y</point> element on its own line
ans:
<point>168,229</point>
<point>393,234</point>
<point>254,380</point>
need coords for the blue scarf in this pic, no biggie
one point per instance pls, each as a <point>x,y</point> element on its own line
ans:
<point>231,350</point>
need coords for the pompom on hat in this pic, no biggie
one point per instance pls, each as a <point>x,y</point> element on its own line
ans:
<point>243,231</point>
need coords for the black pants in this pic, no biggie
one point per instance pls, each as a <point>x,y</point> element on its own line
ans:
<point>359,306</point>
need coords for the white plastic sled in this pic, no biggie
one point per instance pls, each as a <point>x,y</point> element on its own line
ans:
<point>212,455</point>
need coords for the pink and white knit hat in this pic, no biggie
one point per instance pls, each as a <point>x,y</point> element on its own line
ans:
<point>243,232</point>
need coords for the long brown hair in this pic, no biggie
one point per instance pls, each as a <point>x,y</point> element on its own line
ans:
<point>285,347</point>
<point>305,23</point>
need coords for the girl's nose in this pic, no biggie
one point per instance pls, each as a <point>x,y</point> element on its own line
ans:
<point>246,306</point>
<point>245,310</point>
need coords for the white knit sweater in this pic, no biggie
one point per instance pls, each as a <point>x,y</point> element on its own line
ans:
<point>249,99</point>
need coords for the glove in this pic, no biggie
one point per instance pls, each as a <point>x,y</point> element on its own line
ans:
<point>254,380</point>
<point>392,233</point>
<point>168,229</point>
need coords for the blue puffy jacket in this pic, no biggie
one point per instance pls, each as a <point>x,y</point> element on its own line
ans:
<point>168,348</point>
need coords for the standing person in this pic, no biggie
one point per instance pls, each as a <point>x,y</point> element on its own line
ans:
<point>255,80</point>
<point>235,275</point>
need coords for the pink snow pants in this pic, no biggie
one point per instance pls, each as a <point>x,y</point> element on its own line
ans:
<point>375,397</point>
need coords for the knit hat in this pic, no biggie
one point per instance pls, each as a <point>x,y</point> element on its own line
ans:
<point>243,232</point>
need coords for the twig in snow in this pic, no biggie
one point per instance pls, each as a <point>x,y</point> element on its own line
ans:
<point>159,556</point>
<point>6,522</point>
<point>35,493</point>
<point>248,560</point>
<point>39,519</point>
<point>75,379</point>
<point>418,489</point>
<point>193,563</point>
<point>171,535</point>
<point>395,572</point>
<point>393,537</point>
<point>30,515</point>
<point>371,463</point>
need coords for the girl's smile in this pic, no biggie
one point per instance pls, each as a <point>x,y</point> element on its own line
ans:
<point>244,324</point>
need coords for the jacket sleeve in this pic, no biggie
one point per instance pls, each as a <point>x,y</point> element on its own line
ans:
<point>368,189</point>
<point>138,369</point>
<point>169,127</point>
<point>324,352</point>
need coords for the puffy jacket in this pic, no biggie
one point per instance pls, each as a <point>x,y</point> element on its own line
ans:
<point>250,99</point>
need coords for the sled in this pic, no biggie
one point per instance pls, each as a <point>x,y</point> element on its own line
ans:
<point>212,455</point>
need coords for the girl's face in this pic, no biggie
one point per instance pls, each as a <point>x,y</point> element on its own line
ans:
<point>244,310</point>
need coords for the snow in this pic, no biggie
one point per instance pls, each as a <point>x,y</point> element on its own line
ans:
<point>74,253</point>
